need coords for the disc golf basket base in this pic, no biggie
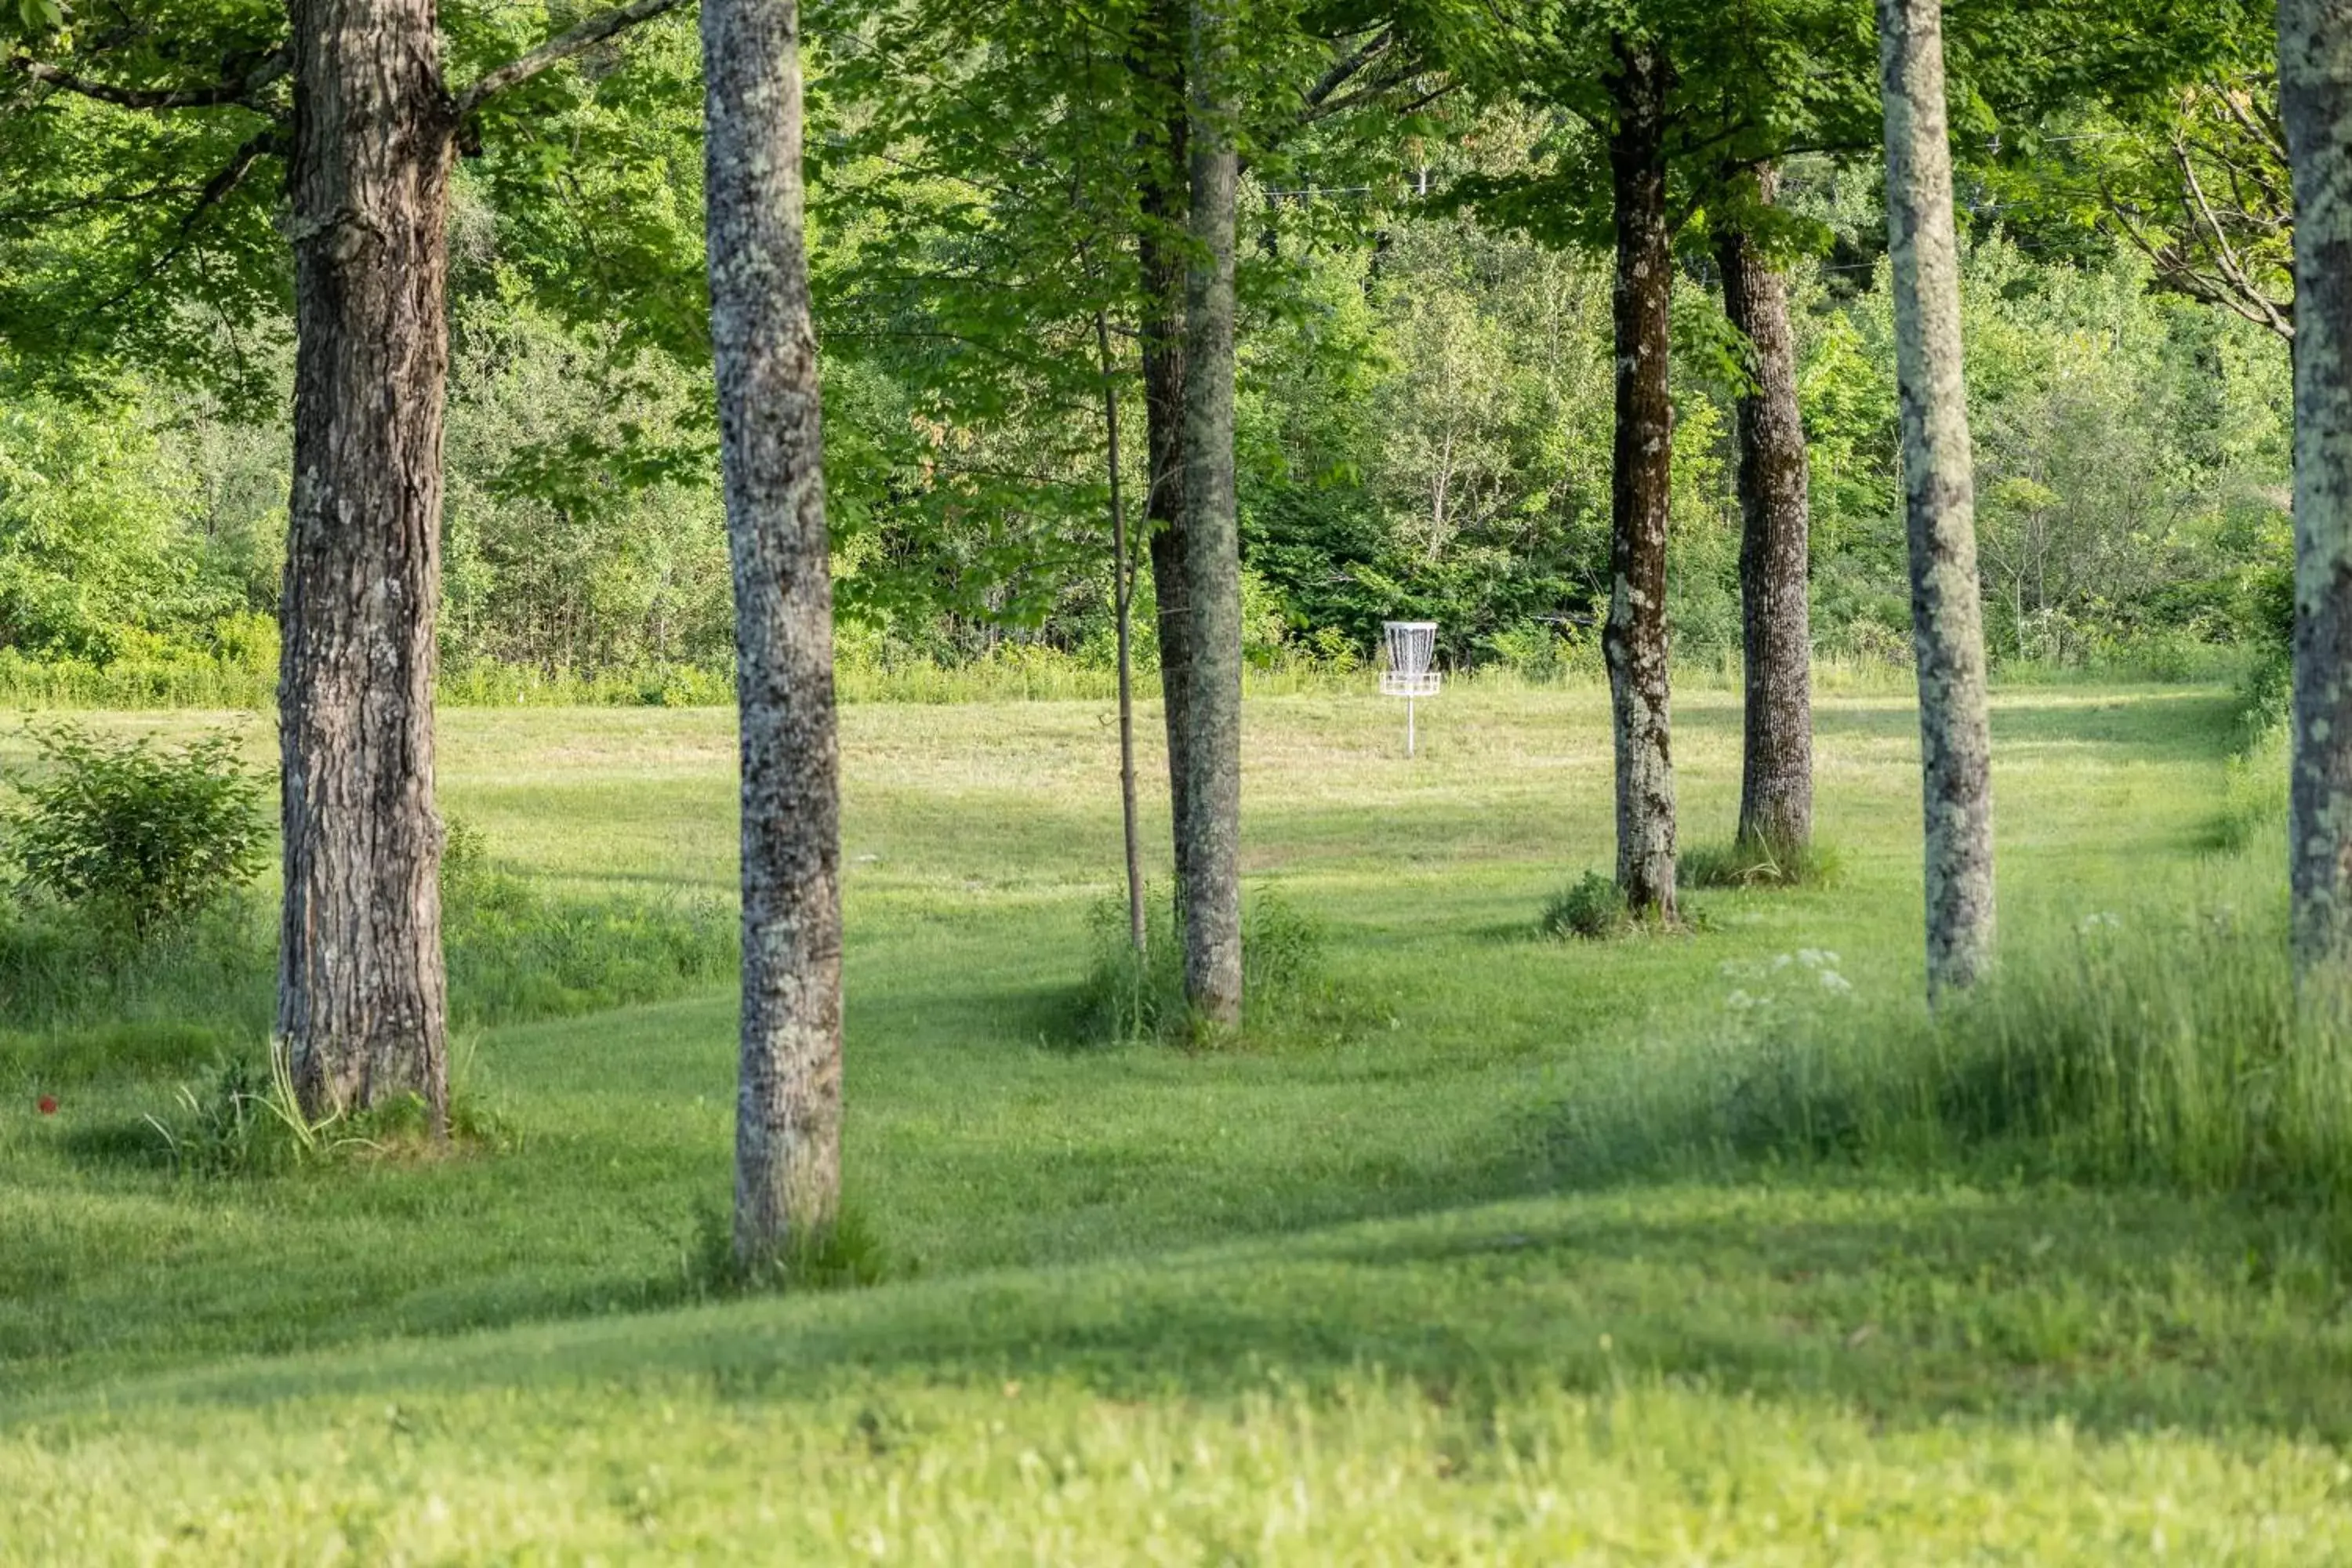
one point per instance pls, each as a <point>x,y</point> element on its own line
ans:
<point>1412,649</point>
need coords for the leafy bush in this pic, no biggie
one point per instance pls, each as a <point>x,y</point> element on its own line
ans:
<point>1758,863</point>
<point>1595,909</point>
<point>136,831</point>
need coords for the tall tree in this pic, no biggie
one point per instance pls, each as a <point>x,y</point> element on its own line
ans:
<point>362,1004</point>
<point>1776,767</point>
<point>2314,54</point>
<point>1212,560</point>
<point>1164,165</point>
<point>1940,497</point>
<point>369,141</point>
<point>1634,640</point>
<point>763,351</point>
<point>1678,101</point>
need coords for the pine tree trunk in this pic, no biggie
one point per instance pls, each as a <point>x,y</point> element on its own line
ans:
<point>1776,775</point>
<point>763,346</point>
<point>1166,207</point>
<point>361,997</point>
<point>1633,642</point>
<point>1940,497</point>
<point>1210,829</point>
<point>2316,99</point>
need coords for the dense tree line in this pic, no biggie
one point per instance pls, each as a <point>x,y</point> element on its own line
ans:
<point>1423,427</point>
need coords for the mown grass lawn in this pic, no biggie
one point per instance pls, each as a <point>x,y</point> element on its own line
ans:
<point>1350,1297</point>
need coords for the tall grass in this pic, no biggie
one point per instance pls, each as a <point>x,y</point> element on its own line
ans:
<point>2161,1049</point>
<point>1133,996</point>
<point>81,1002</point>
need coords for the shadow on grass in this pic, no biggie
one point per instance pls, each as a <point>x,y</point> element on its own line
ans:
<point>2110,1313</point>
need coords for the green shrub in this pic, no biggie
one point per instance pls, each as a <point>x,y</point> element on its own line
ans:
<point>1758,863</point>
<point>136,831</point>
<point>1595,909</point>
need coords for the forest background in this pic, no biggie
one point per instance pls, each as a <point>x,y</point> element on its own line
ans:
<point>1425,427</point>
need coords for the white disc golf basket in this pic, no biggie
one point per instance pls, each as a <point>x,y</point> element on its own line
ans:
<point>1411,647</point>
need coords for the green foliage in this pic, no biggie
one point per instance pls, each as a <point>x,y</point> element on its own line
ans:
<point>133,830</point>
<point>1593,908</point>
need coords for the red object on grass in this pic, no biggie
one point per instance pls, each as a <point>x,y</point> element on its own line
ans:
<point>48,1105</point>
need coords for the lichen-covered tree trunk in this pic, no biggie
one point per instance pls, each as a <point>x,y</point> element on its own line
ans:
<point>2314,46</point>
<point>1940,497</point>
<point>1165,202</point>
<point>1776,773</point>
<point>1212,791</point>
<point>1633,642</point>
<point>361,997</point>
<point>763,348</point>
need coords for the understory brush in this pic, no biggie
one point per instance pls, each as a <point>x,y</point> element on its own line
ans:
<point>1286,994</point>
<point>2161,1048</point>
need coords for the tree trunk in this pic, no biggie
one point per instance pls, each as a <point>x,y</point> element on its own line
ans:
<point>1122,589</point>
<point>1165,203</point>
<point>1635,640</point>
<point>361,997</point>
<point>1210,828</point>
<point>1776,773</point>
<point>2316,96</point>
<point>1940,497</point>
<point>763,348</point>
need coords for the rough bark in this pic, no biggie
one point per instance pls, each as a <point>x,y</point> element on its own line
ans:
<point>1633,642</point>
<point>1940,497</point>
<point>1210,828</point>
<point>763,347</point>
<point>363,1000</point>
<point>1165,202</point>
<point>1776,773</point>
<point>2316,97</point>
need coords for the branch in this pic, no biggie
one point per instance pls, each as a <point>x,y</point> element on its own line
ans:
<point>1345,68</point>
<point>212,95</point>
<point>216,189</point>
<point>2225,254</point>
<point>562,47</point>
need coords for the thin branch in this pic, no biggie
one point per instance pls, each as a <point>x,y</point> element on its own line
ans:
<point>245,90</point>
<point>561,47</point>
<point>2225,254</point>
